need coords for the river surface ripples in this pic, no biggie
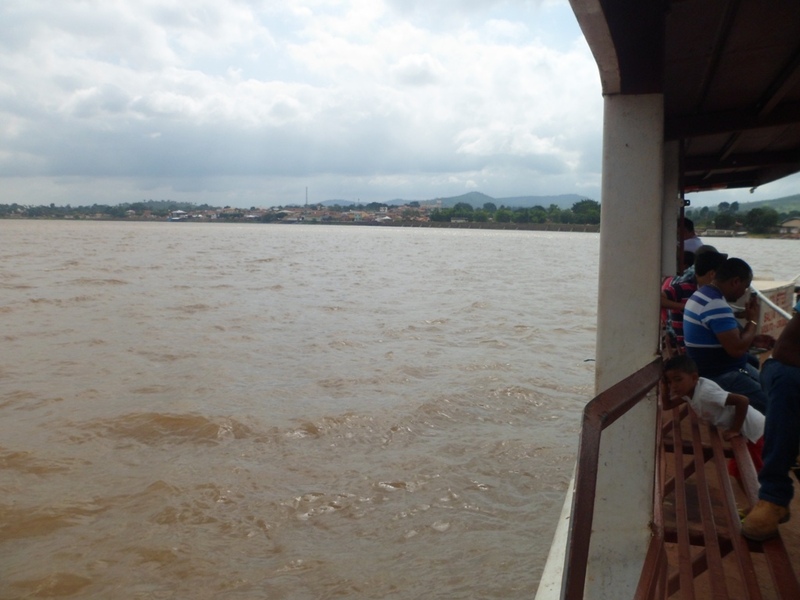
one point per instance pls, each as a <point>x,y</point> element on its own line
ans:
<point>214,411</point>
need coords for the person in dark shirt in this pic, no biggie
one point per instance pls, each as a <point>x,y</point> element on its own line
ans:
<point>675,295</point>
<point>690,240</point>
<point>781,377</point>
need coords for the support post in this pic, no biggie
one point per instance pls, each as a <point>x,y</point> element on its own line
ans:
<point>627,336</point>
<point>670,209</point>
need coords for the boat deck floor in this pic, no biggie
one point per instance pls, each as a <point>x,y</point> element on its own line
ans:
<point>706,555</point>
<point>790,534</point>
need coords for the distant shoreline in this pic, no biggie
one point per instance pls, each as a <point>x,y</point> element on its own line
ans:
<point>563,227</point>
<point>555,227</point>
<point>575,227</point>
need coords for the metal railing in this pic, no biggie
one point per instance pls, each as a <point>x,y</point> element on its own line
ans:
<point>598,414</point>
<point>771,304</point>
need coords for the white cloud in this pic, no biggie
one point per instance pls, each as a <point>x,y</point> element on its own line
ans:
<point>253,99</point>
<point>417,69</point>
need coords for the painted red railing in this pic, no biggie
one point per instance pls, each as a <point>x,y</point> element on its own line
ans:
<point>598,414</point>
<point>695,525</point>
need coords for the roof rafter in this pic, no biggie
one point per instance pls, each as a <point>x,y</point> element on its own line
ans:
<point>740,161</point>
<point>687,126</point>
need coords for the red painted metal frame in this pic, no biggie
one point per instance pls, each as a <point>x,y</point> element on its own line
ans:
<point>703,449</point>
<point>598,414</point>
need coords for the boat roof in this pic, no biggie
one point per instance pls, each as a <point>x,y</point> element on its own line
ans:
<point>730,74</point>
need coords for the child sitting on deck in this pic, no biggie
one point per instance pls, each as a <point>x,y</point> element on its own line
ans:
<point>731,413</point>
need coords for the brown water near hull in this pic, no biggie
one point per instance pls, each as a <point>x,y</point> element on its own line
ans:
<point>252,411</point>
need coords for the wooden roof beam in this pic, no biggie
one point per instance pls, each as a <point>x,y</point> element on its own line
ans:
<point>746,178</point>
<point>785,81</point>
<point>720,42</point>
<point>741,161</point>
<point>773,94</point>
<point>699,184</point>
<point>689,126</point>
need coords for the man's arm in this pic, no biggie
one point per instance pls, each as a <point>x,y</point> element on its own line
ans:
<point>737,342</point>
<point>669,303</point>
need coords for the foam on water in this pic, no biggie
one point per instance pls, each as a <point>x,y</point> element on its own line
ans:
<point>228,411</point>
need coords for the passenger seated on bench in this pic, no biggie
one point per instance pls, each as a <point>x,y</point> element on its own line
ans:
<point>781,377</point>
<point>712,335</point>
<point>731,413</point>
<point>690,240</point>
<point>669,304</point>
<point>675,294</point>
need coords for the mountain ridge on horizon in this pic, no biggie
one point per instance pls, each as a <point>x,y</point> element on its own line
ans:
<point>477,200</point>
<point>782,204</point>
<point>563,201</point>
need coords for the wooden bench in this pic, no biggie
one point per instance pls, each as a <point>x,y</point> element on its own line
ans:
<point>697,549</point>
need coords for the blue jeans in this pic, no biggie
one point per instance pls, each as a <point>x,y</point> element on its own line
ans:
<point>744,381</point>
<point>781,431</point>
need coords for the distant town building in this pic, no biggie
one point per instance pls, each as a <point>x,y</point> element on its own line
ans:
<point>792,226</point>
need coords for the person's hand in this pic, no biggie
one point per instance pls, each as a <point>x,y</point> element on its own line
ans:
<point>728,435</point>
<point>751,309</point>
<point>763,341</point>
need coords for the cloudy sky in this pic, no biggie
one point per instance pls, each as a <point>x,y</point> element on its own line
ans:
<point>253,102</point>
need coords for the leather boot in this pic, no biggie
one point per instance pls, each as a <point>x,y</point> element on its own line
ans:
<point>761,523</point>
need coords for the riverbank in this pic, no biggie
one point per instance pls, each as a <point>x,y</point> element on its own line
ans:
<point>573,227</point>
<point>565,227</point>
<point>570,227</point>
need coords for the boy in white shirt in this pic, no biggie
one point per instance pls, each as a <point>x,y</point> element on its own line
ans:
<point>729,412</point>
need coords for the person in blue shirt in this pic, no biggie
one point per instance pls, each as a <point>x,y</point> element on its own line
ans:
<point>781,378</point>
<point>713,337</point>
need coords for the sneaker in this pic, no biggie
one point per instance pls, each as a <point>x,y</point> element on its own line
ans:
<point>761,523</point>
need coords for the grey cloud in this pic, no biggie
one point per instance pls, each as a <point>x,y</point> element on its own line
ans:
<point>181,148</point>
<point>158,101</point>
<point>417,70</point>
<point>442,9</point>
<point>106,99</point>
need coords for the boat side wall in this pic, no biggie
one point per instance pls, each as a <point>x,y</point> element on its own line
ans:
<point>633,195</point>
<point>670,209</point>
<point>552,575</point>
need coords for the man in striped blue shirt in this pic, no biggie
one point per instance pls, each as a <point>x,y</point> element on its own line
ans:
<point>713,337</point>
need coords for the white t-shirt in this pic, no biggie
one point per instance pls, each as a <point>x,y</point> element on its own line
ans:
<point>708,402</point>
<point>692,244</point>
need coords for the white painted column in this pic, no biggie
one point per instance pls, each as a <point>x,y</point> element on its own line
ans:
<point>627,336</point>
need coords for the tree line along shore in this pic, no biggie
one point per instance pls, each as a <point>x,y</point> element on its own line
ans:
<point>724,220</point>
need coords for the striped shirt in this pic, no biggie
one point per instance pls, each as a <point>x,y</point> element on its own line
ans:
<point>706,315</point>
<point>678,291</point>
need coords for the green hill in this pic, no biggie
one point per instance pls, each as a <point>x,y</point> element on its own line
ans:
<point>782,205</point>
<point>786,205</point>
<point>478,199</point>
<point>566,201</point>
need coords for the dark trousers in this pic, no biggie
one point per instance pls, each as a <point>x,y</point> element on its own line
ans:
<point>781,431</point>
<point>744,381</point>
